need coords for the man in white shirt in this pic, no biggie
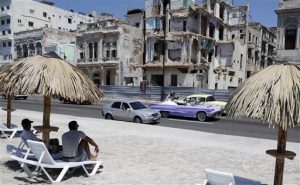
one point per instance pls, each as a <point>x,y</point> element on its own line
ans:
<point>75,142</point>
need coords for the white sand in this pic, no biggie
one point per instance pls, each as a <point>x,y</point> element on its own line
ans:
<point>148,154</point>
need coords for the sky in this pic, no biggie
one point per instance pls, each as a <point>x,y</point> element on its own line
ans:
<point>260,10</point>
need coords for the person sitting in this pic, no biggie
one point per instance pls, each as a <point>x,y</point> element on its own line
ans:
<point>27,134</point>
<point>76,142</point>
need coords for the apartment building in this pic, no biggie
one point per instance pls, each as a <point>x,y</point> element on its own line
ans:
<point>288,30</point>
<point>110,51</point>
<point>206,44</point>
<point>25,15</point>
<point>261,47</point>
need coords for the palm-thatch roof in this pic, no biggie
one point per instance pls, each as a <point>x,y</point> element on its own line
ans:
<point>271,95</point>
<point>49,76</point>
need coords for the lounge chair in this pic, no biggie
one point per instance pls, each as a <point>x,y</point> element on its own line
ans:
<point>213,177</point>
<point>45,161</point>
<point>9,132</point>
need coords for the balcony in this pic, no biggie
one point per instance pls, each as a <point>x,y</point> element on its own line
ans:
<point>6,37</point>
<point>251,45</point>
<point>5,13</point>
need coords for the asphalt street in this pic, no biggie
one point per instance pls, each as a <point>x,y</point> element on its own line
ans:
<point>224,125</point>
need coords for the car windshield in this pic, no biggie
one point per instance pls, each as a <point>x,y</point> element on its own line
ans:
<point>210,98</point>
<point>137,105</point>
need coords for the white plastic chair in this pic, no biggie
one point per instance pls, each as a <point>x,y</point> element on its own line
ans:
<point>45,161</point>
<point>9,132</point>
<point>214,177</point>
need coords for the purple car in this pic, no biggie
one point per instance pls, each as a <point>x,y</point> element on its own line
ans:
<point>201,112</point>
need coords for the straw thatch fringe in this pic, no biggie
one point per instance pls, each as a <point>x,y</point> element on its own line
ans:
<point>272,95</point>
<point>48,76</point>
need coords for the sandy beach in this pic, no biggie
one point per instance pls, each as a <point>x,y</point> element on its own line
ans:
<point>150,154</point>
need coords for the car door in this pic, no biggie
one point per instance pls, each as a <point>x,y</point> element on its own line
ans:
<point>116,110</point>
<point>125,111</point>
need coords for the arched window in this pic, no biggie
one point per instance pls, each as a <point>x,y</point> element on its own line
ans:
<point>290,37</point>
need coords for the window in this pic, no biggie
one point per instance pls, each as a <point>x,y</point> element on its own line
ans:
<point>7,21</point>
<point>46,25</point>
<point>59,28</point>
<point>3,32</point>
<point>81,55</point>
<point>107,54</point>
<point>19,20</point>
<point>114,53</point>
<point>44,14</point>
<point>2,22</point>
<point>4,44</point>
<point>2,8</point>
<point>9,31</point>
<point>249,37</point>
<point>7,7</point>
<point>116,105</point>
<point>31,11</point>
<point>9,44</point>
<point>290,37</point>
<point>125,106</point>
<point>30,24</point>
<point>69,20</point>
<point>241,63</point>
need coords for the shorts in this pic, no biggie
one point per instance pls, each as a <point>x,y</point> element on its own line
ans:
<point>75,158</point>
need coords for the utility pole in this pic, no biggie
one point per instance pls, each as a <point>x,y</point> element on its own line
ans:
<point>165,4</point>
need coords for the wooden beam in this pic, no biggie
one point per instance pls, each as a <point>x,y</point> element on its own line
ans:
<point>8,119</point>
<point>281,148</point>
<point>46,119</point>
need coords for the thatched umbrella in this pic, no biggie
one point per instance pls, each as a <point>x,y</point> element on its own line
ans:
<point>273,96</point>
<point>48,75</point>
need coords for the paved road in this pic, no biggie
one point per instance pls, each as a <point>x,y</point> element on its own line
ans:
<point>243,127</point>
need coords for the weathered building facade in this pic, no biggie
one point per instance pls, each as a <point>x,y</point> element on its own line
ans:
<point>110,51</point>
<point>205,44</point>
<point>44,40</point>
<point>288,29</point>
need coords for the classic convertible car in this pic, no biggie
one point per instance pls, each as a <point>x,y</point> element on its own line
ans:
<point>205,99</point>
<point>201,112</point>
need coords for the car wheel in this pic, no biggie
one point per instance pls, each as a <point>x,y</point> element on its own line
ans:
<point>164,114</point>
<point>137,120</point>
<point>25,98</point>
<point>109,116</point>
<point>201,116</point>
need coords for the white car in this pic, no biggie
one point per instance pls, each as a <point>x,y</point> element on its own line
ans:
<point>130,111</point>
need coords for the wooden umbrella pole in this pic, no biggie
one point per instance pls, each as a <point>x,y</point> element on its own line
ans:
<point>8,121</point>
<point>281,148</point>
<point>46,119</point>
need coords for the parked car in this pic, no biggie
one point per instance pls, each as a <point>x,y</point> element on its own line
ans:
<point>15,97</point>
<point>68,101</point>
<point>130,110</point>
<point>205,99</point>
<point>201,112</point>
